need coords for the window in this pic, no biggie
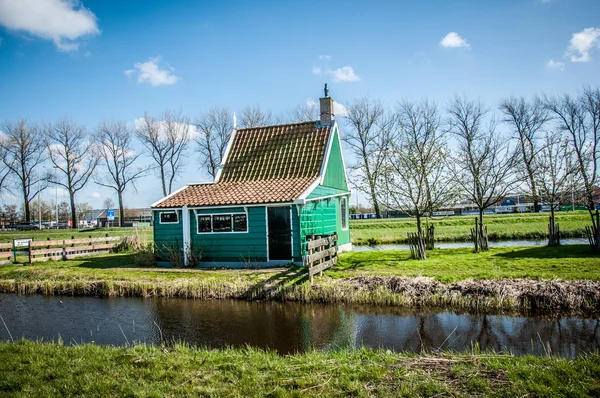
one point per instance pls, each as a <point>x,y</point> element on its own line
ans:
<point>204,224</point>
<point>240,223</point>
<point>344,214</point>
<point>222,223</point>
<point>168,217</point>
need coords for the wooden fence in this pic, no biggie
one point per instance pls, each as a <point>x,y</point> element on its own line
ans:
<point>322,254</point>
<point>5,253</point>
<point>70,248</point>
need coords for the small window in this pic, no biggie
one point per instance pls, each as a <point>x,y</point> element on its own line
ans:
<point>168,217</point>
<point>204,224</point>
<point>222,223</point>
<point>240,223</point>
<point>344,214</point>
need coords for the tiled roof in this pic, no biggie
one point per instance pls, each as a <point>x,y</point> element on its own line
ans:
<point>270,164</point>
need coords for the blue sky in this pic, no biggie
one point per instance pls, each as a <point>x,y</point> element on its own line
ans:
<point>100,59</point>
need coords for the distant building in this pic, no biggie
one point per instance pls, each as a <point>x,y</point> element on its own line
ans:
<point>133,218</point>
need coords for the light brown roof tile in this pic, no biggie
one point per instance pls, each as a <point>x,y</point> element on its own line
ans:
<point>269,164</point>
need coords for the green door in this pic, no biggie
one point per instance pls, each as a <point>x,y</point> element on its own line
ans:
<point>280,233</point>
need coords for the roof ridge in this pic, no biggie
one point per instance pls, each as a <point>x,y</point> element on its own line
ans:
<point>280,125</point>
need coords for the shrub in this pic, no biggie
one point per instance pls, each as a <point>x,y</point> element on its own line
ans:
<point>145,257</point>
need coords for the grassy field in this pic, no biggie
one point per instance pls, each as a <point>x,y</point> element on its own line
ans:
<point>515,279</point>
<point>457,228</point>
<point>8,236</point>
<point>36,369</point>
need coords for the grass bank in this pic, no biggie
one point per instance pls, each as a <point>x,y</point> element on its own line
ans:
<point>457,228</point>
<point>36,369</point>
<point>516,279</point>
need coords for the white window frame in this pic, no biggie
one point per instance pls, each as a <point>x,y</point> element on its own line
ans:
<point>344,214</point>
<point>160,221</point>
<point>212,232</point>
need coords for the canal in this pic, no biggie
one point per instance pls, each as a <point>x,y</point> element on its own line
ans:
<point>286,327</point>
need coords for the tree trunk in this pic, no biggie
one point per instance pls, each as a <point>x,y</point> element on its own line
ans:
<point>121,212</point>
<point>418,216</point>
<point>73,211</point>
<point>163,180</point>
<point>375,204</point>
<point>26,206</point>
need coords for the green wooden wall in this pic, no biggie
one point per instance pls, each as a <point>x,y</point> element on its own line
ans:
<point>335,176</point>
<point>248,246</point>
<point>166,235</point>
<point>323,217</point>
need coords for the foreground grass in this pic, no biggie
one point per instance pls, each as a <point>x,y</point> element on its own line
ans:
<point>457,228</point>
<point>36,369</point>
<point>513,279</point>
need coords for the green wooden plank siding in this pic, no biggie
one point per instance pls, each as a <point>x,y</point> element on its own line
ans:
<point>167,234</point>
<point>322,217</point>
<point>335,174</point>
<point>296,243</point>
<point>248,246</point>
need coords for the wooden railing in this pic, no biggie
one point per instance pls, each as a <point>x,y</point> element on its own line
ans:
<point>70,248</point>
<point>322,253</point>
<point>5,253</point>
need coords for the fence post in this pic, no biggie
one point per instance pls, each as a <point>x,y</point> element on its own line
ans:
<point>30,255</point>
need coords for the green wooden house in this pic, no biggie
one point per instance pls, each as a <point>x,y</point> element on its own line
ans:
<point>277,185</point>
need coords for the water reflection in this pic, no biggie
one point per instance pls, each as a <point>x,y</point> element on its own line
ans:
<point>287,327</point>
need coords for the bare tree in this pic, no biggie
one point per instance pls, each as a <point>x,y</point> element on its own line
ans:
<point>73,154</point>
<point>254,116</point>
<point>304,113</point>
<point>526,118</point>
<point>108,204</point>
<point>118,157</point>
<point>417,179</point>
<point>368,135</point>
<point>166,140</point>
<point>4,169</point>
<point>83,209</point>
<point>23,157</point>
<point>555,173</point>
<point>484,165</point>
<point>214,129</point>
<point>579,118</point>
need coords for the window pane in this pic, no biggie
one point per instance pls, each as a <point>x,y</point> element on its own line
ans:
<point>204,223</point>
<point>240,223</point>
<point>222,223</point>
<point>168,217</point>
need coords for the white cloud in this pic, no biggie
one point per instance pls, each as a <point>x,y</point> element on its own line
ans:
<point>95,195</point>
<point>62,21</point>
<point>582,43</point>
<point>552,64</point>
<point>453,40</point>
<point>325,57</point>
<point>343,74</point>
<point>150,72</point>
<point>161,125</point>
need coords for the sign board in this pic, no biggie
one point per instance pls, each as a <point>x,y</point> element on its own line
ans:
<point>110,215</point>
<point>23,242</point>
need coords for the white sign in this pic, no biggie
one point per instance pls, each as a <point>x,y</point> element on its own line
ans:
<point>24,242</point>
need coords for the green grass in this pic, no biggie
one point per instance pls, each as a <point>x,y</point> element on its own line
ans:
<point>452,265</point>
<point>36,369</point>
<point>457,228</point>
<point>457,279</point>
<point>57,234</point>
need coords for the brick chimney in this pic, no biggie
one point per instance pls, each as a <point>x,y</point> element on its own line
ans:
<point>326,108</point>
